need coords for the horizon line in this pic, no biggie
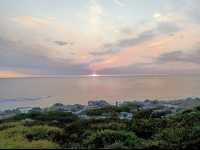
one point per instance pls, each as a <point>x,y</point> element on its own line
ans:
<point>96,75</point>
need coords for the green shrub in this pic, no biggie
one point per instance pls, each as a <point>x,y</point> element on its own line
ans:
<point>99,111</point>
<point>63,117</point>
<point>172,138</point>
<point>128,107</point>
<point>104,138</point>
<point>16,137</point>
<point>44,132</point>
<point>146,128</point>
<point>116,146</point>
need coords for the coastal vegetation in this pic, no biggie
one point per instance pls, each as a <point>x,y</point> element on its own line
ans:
<point>147,129</point>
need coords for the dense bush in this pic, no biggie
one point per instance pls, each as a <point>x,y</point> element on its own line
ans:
<point>48,116</point>
<point>15,137</point>
<point>105,138</point>
<point>146,128</point>
<point>44,132</point>
<point>100,111</point>
<point>128,107</point>
<point>65,130</point>
<point>125,107</point>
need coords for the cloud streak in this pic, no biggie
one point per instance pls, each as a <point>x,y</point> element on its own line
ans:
<point>63,43</point>
<point>117,36</point>
<point>17,57</point>
<point>160,29</point>
<point>119,3</point>
<point>32,21</point>
<point>180,56</point>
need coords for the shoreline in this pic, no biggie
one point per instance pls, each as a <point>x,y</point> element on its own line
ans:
<point>172,105</point>
<point>32,99</point>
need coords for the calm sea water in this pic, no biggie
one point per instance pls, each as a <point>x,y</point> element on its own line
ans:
<point>44,92</point>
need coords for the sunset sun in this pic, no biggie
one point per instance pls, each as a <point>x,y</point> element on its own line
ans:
<point>94,75</point>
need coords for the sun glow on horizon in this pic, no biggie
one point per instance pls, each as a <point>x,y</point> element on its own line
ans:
<point>11,74</point>
<point>94,75</point>
<point>100,75</point>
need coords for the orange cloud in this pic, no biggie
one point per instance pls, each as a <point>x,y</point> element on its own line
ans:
<point>11,74</point>
<point>31,21</point>
<point>150,50</point>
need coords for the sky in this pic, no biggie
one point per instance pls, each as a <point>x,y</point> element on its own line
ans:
<point>107,37</point>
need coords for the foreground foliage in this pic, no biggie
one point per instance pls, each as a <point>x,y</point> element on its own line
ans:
<point>65,130</point>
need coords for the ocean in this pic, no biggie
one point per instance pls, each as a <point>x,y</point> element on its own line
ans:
<point>46,91</point>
